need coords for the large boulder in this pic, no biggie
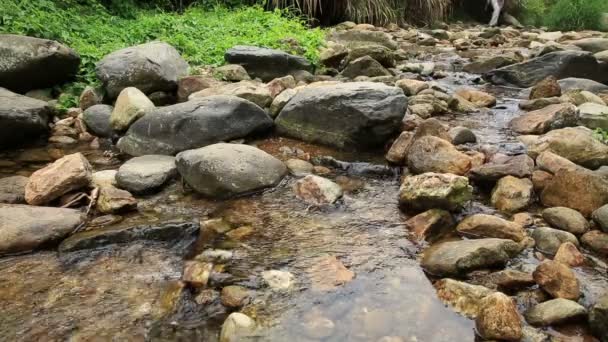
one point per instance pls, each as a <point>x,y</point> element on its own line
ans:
<point>576,144</point>
<point>24,228</point>
<point>150,67</point>
<point>146,173</point>
<point>21,118</point>
<point>543,120</point>
<point>433,154</point>
<point>193,124</point>
<point>459,257</point>
<point>581,190</point>
<point>560,64</point>
<point>434,190</point>
<point>66,174</point>
<point>359,114</point>
<point>225,170</point>
<point>32,63</point>
<point>266,64</point>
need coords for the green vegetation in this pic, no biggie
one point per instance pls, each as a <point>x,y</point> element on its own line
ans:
<point>533,12</point>
<point>601,135</point>
<point>564,14</point>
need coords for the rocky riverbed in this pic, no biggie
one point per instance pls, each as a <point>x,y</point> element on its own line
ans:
<point>419,185</point>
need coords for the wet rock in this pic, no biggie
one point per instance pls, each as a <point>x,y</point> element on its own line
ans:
<point>461,135</point>
<point>235,296</point>
<point>434,190</point>
<point>172,129</point>
<point>317,190</point>
<point>512,194</point>
<point>165,232</point>
<point>131,105</point>
<point>400,147</point>
<point>266,64</point>
<point>232,73</point>
<point>218,225</point>
<point>432,154</point>
<point>477,97</point>
<point>543,120</point>
<point>411,87</point>
<point>596,241</point>
<point>560,64</point>
<point>33,63</point>
<point>488,226</point>
<point>520,166</point>
<point>196,273</point>
<point>598,318</point>
<point>150,67</point>
<point>555,311</point>
<point>576,144</point>
<point>225,170</point>
<point>461,105</point>
<point>566,219</point>
<point>498,318</point>
<point>112,200</point>
<point>431,225</point>
<point>146,173</point>
<point>569,254</point>
<point>600,217</point>
<point>12,189</point>
<point>536,104</point>
<point>460,257</point>
<point>462,297</point>
<point>280,101</point>
<point>69,173</point>
<point>511,279</point>
<point>581,190</point>
<point>328,272</point>
<point>236,327</point>
<point>97,120</point>
<point>248,90</point>
<point>570,83</point>
<point>316,326</point>
<point>552,163</point>
<point>546,88</point>
<point>593,115</point>
<point>240,233</point>
<point>558,280</point>
<point>346,115</point>
<point>22,119</point>
<point>279,280</point>
<point>548,239</point>
<point>364,66</point>
<point>299,167</point>
<point>25,228</point>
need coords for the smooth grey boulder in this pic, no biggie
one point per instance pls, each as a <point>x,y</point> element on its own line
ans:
<point>193,124</point>
<point>12,189</point>
<point>555,311</point>
<point>560,64</point>
<point>346,115</point>
<point>24,228</point>
<point>150,67</point>
<point>571,83</point>
<point>548,239</point>
<point>146,173</point>
<point>226,170</point>
<point>97,119</point>
<point>600,217</point>
<point>459,257</point>
<point>566,219</point>
<point>22,118</point>
<point>265,63</point>
<point>28,63</point>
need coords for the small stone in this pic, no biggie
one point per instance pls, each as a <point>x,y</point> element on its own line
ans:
<point>434,190</point>
<point>240,233</point>
<point>498,318</point>
<point>197,273</point>
<point>90,97</point>
<point>411,87</point>
<point>558,280</point>
<point>478,98</point>
<point>569,254</point>
<point>236,327</point>
<point>600,216</point>
<point>112,200</point>
<point>218,225</point>
<point>317,190</point>
<point>566,219</point>
<point>235,296</point>
<point>596,241</point>
<point>278,280</point>
<point>546,88</point>
<point>298,167</point>
<point>328,272</point>
<point>207,297</point>
<point>488,226</point>
<point>462,135</point>
<point>462,297</point>
<point>512,279</point>
<point>512,194</point>
<point>398,151</point>
<point>554,311</point>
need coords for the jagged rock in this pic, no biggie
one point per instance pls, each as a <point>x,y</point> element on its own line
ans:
<point>568,254</point>
<point>400,147</point>
<point>566,219</point>
<point>225,170</point>
<point>551,162</point>
<point>280,101</point>
<point>431,224</point>
<point>548,240</point>
<point>434,190</point>
<point>22,119</point>
<point>560,64</point>
<point>201,122</point>
<point>597,241</point>
<point>112,200</point>
<point>25,228</point>
<point>235,296</point>
<point>97,120</point>
<point>512,194</point>
<point>188,85</point>
<point>345,115</point>
<point>432,154</point>
<point>278,85</point>
<point>146,173</point>
<point>546,88</point>
<point>520,166</point>
<point>317,190</point>
<point>498,318</point>
<point>248,90</point>
<point>462,297</point>
<point>232,73</point>
<point>546,119</point>
<point>150,67</point>
<point>555,311</point>
<point>131,105</point>
<point>488,226</point>
<point>32,63</point>
<point>66,174</point>
<point>558,280</point>
<point>460,257</point>
<point>12,189</point>
<point>581,190</point>
<point>266,64</point>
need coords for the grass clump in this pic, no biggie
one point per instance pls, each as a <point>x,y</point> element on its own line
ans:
<point>576,14</point>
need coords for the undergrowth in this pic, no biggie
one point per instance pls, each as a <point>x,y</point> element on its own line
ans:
<point>564,15</point>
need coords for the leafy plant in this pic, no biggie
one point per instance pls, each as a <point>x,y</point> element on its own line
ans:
<point>576,14</point>
<point>601,135</point>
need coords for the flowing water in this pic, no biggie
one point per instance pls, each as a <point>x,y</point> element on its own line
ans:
<point>132,292</point>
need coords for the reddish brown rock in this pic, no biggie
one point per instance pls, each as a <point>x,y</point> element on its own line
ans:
<point>488,226</point>
<point>569,254</point>
<point>546,88</point>
<point>558,280</point>
<point>597,241</point>
<point>196,273</point>
<point>580,190</point>
<point>398,151</point>
<point>328,273</point>
<point>431,224</point>
<point>498,319</point>
<point>543,120</point>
